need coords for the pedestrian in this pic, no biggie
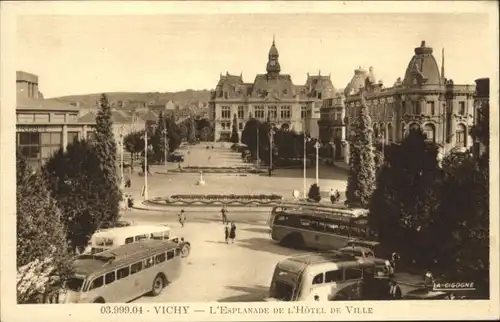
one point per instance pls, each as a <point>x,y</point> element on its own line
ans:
<point>128,182</point>
<point>232,232</point>
<point>226,232</point>
<point>428,279</point>
<point>332,196</point>
<point>394,290</point>
<point>182,217</point>
<point>337,195</point>
<point>224,214</point>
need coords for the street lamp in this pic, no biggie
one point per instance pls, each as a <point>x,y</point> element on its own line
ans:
<point>145,164</point>
<point>271,141</point>
<point>317,146</point>
<point>305,165</point>
<point>165,147</point>
<point>122,181</point>
<point>258,159</point>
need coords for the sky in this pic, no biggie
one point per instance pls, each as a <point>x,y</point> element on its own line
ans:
<point>83,54</point>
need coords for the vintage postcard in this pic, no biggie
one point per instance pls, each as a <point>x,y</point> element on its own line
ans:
<point>237,161</point>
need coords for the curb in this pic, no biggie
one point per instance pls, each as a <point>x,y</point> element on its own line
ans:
<point>142,206</point>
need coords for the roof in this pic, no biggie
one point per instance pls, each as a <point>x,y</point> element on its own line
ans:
<point>357,82</point>
<point>26,77</point>
<point>114,258</point>
<point>26,103</point>
<point>149,116</point>
<point>90,117</point>
<point>116,116</point>
<point>279,87</point>
<point>423,67</point>
<point>131,231</point>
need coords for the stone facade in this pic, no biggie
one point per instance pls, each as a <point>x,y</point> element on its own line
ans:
<point>424,99</point>
<point>332,129</point>
<point>271,96</point>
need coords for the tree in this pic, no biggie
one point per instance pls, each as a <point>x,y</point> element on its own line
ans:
<point>361,178</point>
<point>405,199</point>
<point>234,133</point>
<point>183,130</point>
<point>191,131</point>
<point>206,134</point>
<point>249,134</point>
<point>159,141</point>
<point>134,143</point>
<point>77,181</point>
<point>105,147</point>
<point>41,248</point>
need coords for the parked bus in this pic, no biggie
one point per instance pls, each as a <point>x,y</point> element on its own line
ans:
<point>317,226</point>
<point>110,238</point>
<point>124,273</point>
<point>329,276</point>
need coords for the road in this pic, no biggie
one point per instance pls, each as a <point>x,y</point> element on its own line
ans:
<point>214,270</point>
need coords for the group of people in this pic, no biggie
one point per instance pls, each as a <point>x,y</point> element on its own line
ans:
<point>229,227</point>
<point>334,196</point>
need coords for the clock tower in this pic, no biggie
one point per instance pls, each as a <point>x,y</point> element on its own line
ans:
<point>273,66</point>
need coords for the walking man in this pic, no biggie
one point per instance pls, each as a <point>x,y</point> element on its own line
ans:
<point>226,232</point>
<point>332,196</point>
<point>182,217</point>
<point>224,214</point>
<point>394,291</point>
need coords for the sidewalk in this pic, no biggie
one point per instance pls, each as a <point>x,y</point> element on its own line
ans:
<point>409,279</point>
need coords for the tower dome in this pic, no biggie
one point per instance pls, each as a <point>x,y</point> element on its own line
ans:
<point>273,67</point>
<point>357,82</point>
<point>422,68</point>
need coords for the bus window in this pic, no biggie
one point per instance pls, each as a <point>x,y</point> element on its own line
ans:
<point>170,254</point>
<point>305,223</point>
<point>148,262</point>
<point>318,226</point>
<point>123,272</point>
<point>129,240</point>
<point>353,273</point>
<point>318,279</point>
<point>140,237</point>
<point>134,268</point>
<point>177,252</point>
<point>333,276</point>
<point>109,278</point>
<point>160,258</point>
<point>166,234</point>
<point>280,219</point>
<point>98,282</point>
<point>331,228</point>
<point>157,236</point>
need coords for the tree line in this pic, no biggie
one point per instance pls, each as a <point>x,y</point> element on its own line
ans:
<point>167,135</point>
<point>433,210</point>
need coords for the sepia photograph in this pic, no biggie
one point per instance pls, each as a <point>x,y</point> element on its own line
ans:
<point>249,155</point>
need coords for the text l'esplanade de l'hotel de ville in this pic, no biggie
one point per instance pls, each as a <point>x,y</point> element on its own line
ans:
<point>424,98</point>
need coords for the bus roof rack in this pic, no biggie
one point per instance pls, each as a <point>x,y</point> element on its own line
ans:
<point>101,257</point>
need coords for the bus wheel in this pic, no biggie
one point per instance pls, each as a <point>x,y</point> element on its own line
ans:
<point>294,241</point>
<point>185,250</point>
<point>158,285</point>
<point>99,300</point>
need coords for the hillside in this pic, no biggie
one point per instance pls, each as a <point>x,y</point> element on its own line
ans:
<point>131,99</point>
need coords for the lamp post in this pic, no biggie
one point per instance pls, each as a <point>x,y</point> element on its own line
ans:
<point>271,141</point>
<point>305,166</point>
<point>317,146</point>
<point>121,159</point>
<point>258,159</point>
<point>165,147</point>
<point>145,164</point>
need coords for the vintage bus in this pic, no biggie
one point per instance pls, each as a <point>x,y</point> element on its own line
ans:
<point>328,276</point>
<point>316,226</point>
<point>124,273</point>
<point>110,238</point>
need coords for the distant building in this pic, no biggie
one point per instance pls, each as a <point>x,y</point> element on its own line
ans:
<point>424,99</point>
<point>271,96</point>
<point>332,129</point>
<point>481,101</point>
<point>43,126</point>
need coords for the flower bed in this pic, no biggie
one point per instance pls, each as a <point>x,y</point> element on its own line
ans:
<point>217,200</point>
<point>227,197</point>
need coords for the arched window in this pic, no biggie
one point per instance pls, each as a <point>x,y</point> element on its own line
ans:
<point>460,135</point>
<point>375,131</point>
<point>382,131</point>
<point>414,127</point>
<point>429,131</point>
<point>390,136</point>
